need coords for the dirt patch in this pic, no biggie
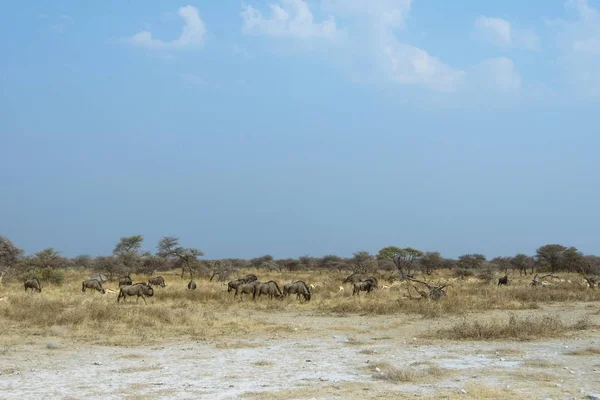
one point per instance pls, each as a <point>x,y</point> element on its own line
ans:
<point>323,362</point>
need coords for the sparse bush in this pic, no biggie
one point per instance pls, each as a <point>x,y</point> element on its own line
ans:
<point>519,328</point>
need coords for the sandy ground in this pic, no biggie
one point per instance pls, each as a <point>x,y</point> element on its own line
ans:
<point>321,357</point>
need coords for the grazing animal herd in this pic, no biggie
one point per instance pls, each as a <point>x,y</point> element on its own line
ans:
<point>246,285</point>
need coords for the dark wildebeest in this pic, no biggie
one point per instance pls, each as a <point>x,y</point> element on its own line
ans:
<point>33,284</point>
<point>191,285</point>
<point>249,278</point>
<point>270,289</point>
<point>139,290</point>
<point>233,285</point>
<point>356,277</point>
<point>364,286</point>
<point>503,280</point>
<point>158,281</point>
<point>92,284</point>
<point>125,281</point>
<point>245,288</point>
<point>299,288</point>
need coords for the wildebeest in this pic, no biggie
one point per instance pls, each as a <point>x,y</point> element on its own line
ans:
<point>92,284</point>
<point>299,288</point>
<point>270,289</point>
<point>356,277</point>
<point>139,290</point>
<point>364,286</point>
<point>158,281</point>
<point>125,281</point>
<point>232,285</point>
<point>191,285</point>
<point>503,280</point>
<point>245,288</point>
<point>33,284</point>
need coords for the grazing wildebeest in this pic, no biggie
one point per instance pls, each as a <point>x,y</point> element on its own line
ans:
<point>245,288</point>
<point>92,284</point>
<point>299,288</point>
<point>125,281</point>
<point>356,278</point>
<point>364,286</point>
<point>158,281</point>
<point>33,284</point>
<point>249,278</point>
<point>270,289</point>
<point>139,290</point>
<point>503,280</point>
<point>233,285</point>
<point>191,285</point>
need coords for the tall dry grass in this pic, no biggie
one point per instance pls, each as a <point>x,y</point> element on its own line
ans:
<point>211,311</point>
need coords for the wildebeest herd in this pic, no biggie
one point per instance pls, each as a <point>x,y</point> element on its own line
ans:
<point>248,284</point>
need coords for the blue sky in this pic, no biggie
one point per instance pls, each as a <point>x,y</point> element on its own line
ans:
<point>292,127</point>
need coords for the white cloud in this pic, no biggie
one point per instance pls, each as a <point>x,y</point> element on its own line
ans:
<point>400,62</point>
<point>500,32</point>
<point>192,35</point>
<point>579,40</point>
<point>498,74</point>
<point>409,65</point>
<point>390,13</point>
<point>291,18</point>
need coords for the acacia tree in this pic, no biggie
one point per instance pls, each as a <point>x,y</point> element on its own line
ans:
<point>47,259</point>
<point>306,262</point>
<point>362,261</point>
<point>431,261</point>
<point>471,261</point>
<point>9,256</point>
<point>501,263</point>
<point>329,262</point>
<point>405,259</point>
<point>573,260</point>
<point>108,265</point>
<point>149,263</point>
<point>551,255</point>
<point>169,247</point>
<point>82,260</point>
<point>522,262</point>
<point>127,251</point>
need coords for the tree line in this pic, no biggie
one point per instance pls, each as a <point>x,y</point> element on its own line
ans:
<point>128,257</point>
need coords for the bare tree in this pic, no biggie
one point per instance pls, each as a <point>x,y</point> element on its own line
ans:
<point>362,262</point>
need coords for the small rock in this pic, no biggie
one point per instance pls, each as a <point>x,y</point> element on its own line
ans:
<point>501,359</point>
<point>97,363</point>
<point>377,369</point>
<point>547,398</point>
<point>463,391</point>
<point>558,385</point>
<point>593,396</point>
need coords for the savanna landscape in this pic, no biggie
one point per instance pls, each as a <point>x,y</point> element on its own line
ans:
<point>515,327</point>
<point>300,199</point>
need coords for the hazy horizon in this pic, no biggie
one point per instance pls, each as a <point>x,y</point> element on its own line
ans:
<point>292,127</point>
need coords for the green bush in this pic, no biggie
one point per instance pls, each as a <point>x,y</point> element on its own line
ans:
<point>46,275</point>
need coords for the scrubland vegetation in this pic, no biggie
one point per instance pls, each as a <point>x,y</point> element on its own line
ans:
<point>470,284</point>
